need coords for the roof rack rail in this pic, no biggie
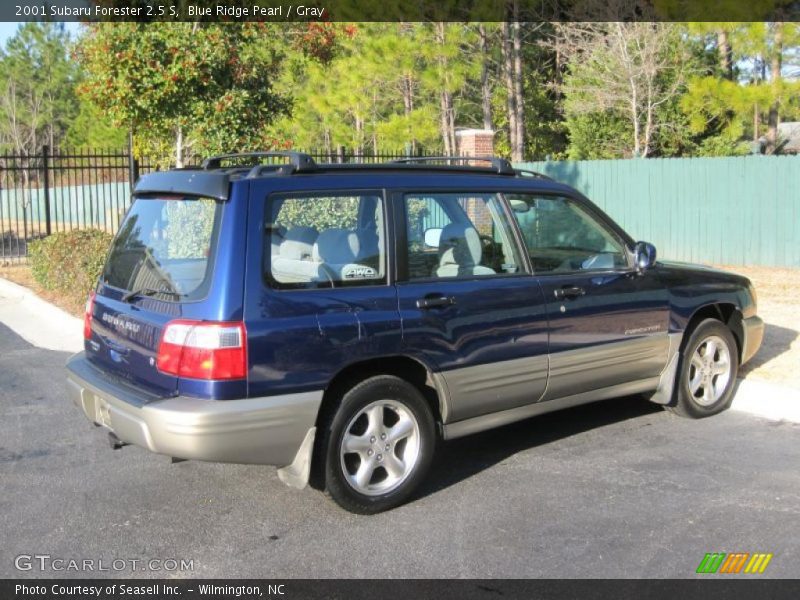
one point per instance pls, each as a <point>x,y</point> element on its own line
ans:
<point>530,173</point>
<point>260,170</point>
<point>500,165</point>
<point>301,163</point>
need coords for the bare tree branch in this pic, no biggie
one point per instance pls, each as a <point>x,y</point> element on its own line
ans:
<point>626,68</point>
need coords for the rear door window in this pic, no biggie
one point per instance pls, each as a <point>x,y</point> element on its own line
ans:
<point>165,247</point>
<point>325,240</point>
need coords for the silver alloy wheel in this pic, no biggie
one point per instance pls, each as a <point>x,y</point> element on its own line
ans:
<point>380,447</point>
<point>709,370</point>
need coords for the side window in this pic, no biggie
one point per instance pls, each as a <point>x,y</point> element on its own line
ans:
<point>458,235</point>
<point>325,240</point>
<point>562,237</point>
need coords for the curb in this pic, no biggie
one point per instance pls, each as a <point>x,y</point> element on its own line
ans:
<point>37,321</point>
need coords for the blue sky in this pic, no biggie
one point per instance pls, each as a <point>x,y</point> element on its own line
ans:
<point>7,30</point>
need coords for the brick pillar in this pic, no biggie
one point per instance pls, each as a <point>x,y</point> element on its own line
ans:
<point>475,142</point>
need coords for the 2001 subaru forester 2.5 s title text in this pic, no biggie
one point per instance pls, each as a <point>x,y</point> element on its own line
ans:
<point>335,320</point>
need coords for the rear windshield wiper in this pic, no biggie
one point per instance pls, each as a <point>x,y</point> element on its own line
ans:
<point>128,296</point>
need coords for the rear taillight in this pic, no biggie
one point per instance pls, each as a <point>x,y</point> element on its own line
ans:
<point>87,317</point>
<point>203,350</point>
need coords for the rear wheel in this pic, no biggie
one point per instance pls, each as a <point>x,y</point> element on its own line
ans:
<point>707,374</point>
<point>378,446</point>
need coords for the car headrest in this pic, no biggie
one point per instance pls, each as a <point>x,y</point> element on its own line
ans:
<point>298,243</point>
<point>336,246</point>
<point>460,244</point>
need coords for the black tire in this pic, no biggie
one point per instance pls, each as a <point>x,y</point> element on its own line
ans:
<point>713,397</point>
<point>340,468</point>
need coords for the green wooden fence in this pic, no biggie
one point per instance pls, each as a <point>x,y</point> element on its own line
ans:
<point>733,211</point>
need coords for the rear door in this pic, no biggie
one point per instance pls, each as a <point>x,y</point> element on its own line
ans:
<point>467,303</point>
<point>320,297</point>
<point>159,268</point>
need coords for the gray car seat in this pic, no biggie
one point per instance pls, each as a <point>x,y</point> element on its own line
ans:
<point>339,251</point>
<point>293,261</point>
<point>460,252</point>
<point>276,238</point>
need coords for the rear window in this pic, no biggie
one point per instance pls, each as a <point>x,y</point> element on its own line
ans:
<point>165,244</point>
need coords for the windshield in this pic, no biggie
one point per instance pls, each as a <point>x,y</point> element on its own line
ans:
<point>165,248</point>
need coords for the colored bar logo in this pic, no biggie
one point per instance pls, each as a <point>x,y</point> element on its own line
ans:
<point>735,562</point>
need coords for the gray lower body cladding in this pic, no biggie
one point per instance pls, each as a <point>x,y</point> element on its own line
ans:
<point>487,396</point>
<point>268,430</point>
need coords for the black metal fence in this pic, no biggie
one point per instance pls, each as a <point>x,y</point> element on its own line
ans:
<point>60,189</point>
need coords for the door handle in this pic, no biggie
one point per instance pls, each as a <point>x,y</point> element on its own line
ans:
<point>569,291</point>
<point>435,302</point>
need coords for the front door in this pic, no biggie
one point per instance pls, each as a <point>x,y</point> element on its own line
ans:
<point>608,322</point>
<point>467,303</point>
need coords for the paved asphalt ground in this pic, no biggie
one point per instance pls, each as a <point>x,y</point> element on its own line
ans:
<point>616,489</point>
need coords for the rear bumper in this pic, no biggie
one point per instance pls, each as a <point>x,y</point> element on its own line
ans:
<point>268,431</point>
<point>753,335</point>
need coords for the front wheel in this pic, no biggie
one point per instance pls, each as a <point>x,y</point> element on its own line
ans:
<point>379,445</point>
<point>707,374</point>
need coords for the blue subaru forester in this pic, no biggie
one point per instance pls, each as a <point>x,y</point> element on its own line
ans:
<point>336,320</point>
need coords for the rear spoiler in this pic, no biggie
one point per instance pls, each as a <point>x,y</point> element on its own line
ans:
<point>191,182</point>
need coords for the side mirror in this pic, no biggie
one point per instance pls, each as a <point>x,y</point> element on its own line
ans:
<point>644,255</point>
<point>432,237</point>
